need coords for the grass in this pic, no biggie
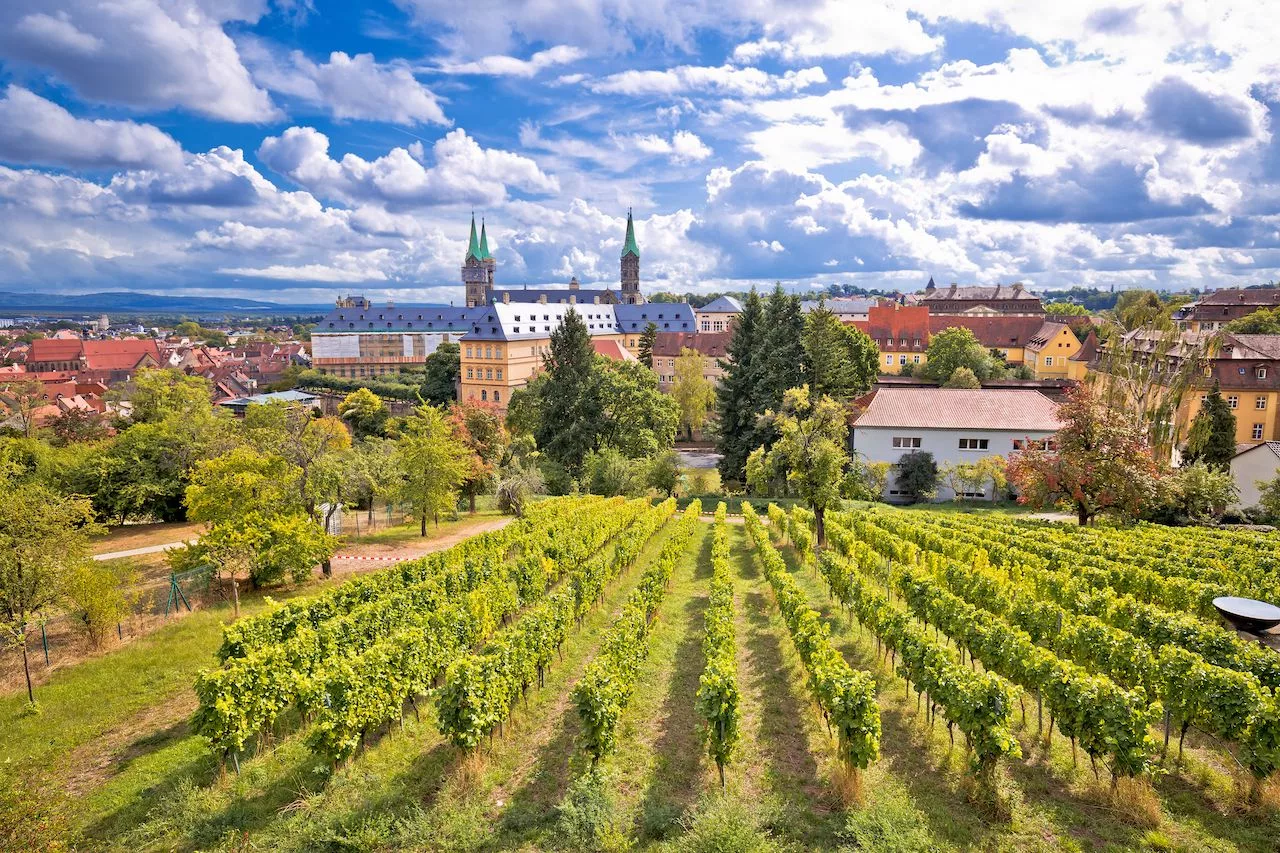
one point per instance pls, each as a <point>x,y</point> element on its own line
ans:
<point>129,536</point>
<point>409,532</point>
<point>117,767</point>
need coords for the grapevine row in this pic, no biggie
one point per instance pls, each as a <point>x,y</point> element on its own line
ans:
<point>847,697</point>
<point>606,687</point>
<point>1103,717</point>
<point>480,690</point>
<point>718,697</point>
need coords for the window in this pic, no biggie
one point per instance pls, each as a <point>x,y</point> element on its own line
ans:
<point>888,359</point>
<point>1232,401</point>
<point>906,441</point>
<point>488,352</point>
<point>973,444</point>
<point>1261,372</point>
<point>902,359</point>
<point>468,352</point>
<point>1048,361</point>
<point>1260,402</point>
<point>915,359</point>
<point>499,374</point>
<point>1257,432</point>
<point>488,374</point>
<point>484,395</point>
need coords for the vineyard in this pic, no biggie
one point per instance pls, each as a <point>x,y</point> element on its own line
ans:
<point>611,674</point>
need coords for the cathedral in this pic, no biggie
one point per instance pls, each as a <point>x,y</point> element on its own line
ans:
<point>479,266</point>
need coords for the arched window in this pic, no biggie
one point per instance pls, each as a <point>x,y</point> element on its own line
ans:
<point>484,395</point>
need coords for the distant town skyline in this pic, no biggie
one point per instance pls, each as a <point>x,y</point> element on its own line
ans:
<point>289,151</point>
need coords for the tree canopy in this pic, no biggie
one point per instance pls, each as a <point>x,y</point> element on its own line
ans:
<point>1212,437</point>
<point>839,361</point>
<point>433,463</point>
<point>692,391</point>
<point>954,348</point>
<point>443,372</point>
<point>811,449</point>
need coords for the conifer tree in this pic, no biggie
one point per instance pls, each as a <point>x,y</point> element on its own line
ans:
<point>573,413</point>
<point>840,361</point>
<point>647,339</point>
<point>738,395</point>
<point>781,350</point>
<point>1212,438</point>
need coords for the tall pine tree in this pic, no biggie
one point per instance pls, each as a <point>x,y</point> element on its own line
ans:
<point>647,339</point>
<point>782,356</point>
<point>573,413</point>
<point>737,397</point>
<point>840,361</point>
<point>1212,438</point>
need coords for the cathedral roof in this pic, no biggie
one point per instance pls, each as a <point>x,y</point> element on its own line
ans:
<point>629,246</point>
<point>473,245</point>
<point>484,244</point>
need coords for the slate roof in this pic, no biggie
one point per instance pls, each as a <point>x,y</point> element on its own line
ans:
<point>999,331</point>
<point>843,306</point>
<point>959,408</point>
<point>722,305</point>
<point>1265,346</point>
<point>513,321</point>
<point>1000,291</point>
<point>405,318</point>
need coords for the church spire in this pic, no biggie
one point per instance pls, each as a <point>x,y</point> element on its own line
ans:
<point>629,246</point>
<point>484,242</point>
<point>473,246</point>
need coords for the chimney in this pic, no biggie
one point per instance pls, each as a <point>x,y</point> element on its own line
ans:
<point>506,297</point>
<point>542,299</point>
<point>573,283</point>
<point>952,291</point>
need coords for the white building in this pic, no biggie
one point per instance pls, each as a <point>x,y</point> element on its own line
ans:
<point>953,424</point>
<point>1259,463</point>
<point>846,310</point>
<point>717,314</point>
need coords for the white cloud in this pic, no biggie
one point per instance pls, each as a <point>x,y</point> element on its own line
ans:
<point>682,147</point>
<point>34,130</point>
<point>769,245</point>
<point>354,271</point>
<point>499,65</point>
<point>725,79</point>
<point>818,30</point>
<point>463,171</point>
<point>347,87</point>
<point>143,53</point>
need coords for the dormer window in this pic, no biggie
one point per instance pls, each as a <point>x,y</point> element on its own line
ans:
<point>1261,372</point>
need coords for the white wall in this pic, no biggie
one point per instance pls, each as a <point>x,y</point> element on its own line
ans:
<point>1258,464</point>
<point>876,445</point>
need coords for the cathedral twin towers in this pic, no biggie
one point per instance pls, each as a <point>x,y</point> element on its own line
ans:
<point>479,266</point>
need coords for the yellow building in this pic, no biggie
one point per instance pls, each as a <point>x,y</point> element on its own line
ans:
<point>1049,352</point>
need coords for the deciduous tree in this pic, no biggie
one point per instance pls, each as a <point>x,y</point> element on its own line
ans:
<point>692,391</point>
<point>478,425</point>
<point>434,465</point>
<point>443,371</point>
<point>957,347</point>
<point>365,413</point>
<point>811,448</point>
<point>915,475</point>
<point>1101,463</point>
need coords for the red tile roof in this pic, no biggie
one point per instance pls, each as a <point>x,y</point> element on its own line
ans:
<point>958,408</point>
<point>992,331</point>
<point>124,354</point>
<point>51,349</point>
<point>612,349</point>
<point>708,344</point>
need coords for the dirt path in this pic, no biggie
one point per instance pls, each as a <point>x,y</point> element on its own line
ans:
<point>366,557</point>
<point>147,549</point>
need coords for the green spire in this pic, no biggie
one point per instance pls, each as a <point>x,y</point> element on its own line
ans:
<point>629,247</point>
<point>473,247</point>
<point>484,243</point>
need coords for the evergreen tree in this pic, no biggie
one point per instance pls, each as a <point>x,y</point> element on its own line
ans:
<point>573,413</point>
<point>737,397</point>
<point>647,339</point>
<point>1212,439</point>
<point>781,351</point>
<point>443,370</point>
<point>840,361</point>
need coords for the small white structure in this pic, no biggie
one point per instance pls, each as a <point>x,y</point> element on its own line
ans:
<point>953,424</point>
<point>1259,463</point>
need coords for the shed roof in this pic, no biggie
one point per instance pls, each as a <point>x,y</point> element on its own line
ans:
<point>960,408</point>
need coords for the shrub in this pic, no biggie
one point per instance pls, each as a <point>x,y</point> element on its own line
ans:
<point>892,825</point>
<point>586,818</point>
<point>100,595</point>
<point>916,474</point>
<point>725,823</point>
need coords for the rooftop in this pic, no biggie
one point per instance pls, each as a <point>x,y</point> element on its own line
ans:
<point>999,291</point>
<point>957,408</point>
<point>722,305</point>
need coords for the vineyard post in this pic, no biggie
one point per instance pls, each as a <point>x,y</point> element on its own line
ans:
<point>44,643</point>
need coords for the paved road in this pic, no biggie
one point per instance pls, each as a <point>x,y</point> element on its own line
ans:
<point>138,552</point>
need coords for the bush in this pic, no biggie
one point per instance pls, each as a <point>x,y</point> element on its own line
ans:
<point>725,824</point>
<point>609,473</point>
<point>702,481</point>
<point>892,825</point>
<point>916,474</point>
<point>556,478</point>
<point>101,596</point>
<point>586,819</point>
<point>664,473</point>
<point>516,485</point>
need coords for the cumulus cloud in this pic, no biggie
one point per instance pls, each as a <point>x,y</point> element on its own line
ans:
<point>462,172</point>
<point>1178,108</point>
<point>499,65</point>
<point>348,87</point>
<point>143,54</point>
<point>682,147</point>
<point>34,130</point>
<point>725,79</point>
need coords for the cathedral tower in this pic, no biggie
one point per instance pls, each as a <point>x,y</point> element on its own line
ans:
<point>477,269</point>
<point>631,266</point>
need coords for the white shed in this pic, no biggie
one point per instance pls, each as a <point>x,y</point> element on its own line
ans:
<point>953,424</point>
<point>1259,463</point>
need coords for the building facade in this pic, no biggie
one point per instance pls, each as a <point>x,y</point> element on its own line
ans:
<point>951,424</point>
<point>1215,310</point>
<point>1000,299</point>
<point>360,340</point>
<point>717,314</point>
<point>711,347</point>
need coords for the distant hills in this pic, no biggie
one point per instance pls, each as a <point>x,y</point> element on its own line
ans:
<point>127,302</point>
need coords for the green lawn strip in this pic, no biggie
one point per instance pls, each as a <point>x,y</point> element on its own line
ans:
<point>658,765</point>
<point>408,532</point>
<point>427,794</point>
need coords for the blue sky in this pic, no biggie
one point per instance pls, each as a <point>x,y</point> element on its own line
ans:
<point>296,149</point>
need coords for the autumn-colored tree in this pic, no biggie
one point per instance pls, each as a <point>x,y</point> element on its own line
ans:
<point>21,397</point>
<point>479,426</point>
<point>1098,462</point>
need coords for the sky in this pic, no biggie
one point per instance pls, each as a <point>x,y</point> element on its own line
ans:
<point>295,150</point>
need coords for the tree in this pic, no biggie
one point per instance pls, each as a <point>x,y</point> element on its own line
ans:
<point>1102,462</point>
<point>100,595</point>
<point>291,432</point>
<point>1065,309</point>
<point>478,425</point>
<point>916,475</point>
<point>43,537</point>
<point>647,339</point>
<point>692,391</point>
<point>22,397</point>
<point>155,394</point>
<point>1269,498</point>
<point>738,395</point>
<point>1264,321</point>
<point>365,413</point>
<point>781,351</point>
<point>516,484</point>
<point>638,419</point>
<point>811,447</point>
<point>866,480</point>
<point>1194,493</point>
<point>443,372</point>
<point>610,473</point>
<point>241,481</point>
<point>433,463</point>
<point>962,377</point>
<point>1212,438</point>
<point>839,361</point>
<point>572,410</point>
<point>664,473</point>
<point>957,347</point>
<point>1138,308</point>
<point>78,425</point>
